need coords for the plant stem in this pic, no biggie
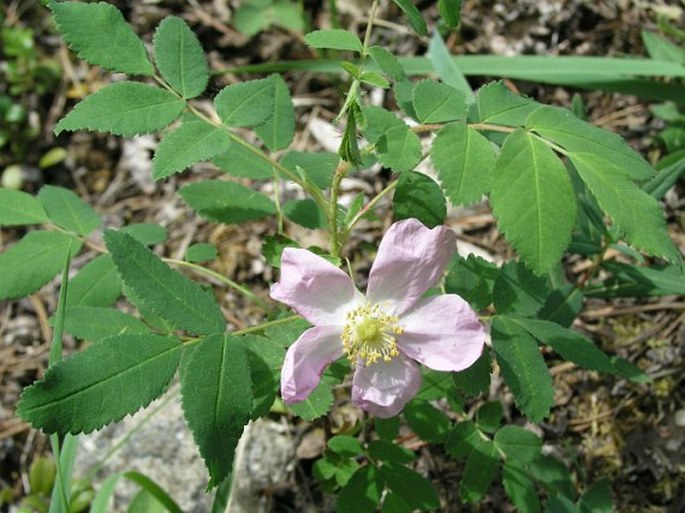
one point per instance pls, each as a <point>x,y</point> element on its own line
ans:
<point>339,174</point>
<point>267,324</point>
<point>227,281</point>
<point>370,205</point>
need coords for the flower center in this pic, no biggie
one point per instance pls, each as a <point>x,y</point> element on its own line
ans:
<point>369,335</point>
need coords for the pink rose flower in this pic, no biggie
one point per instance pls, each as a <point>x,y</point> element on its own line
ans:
<point>385,332</point>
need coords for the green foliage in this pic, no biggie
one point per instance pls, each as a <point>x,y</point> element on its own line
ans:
<point>630,281</point>
<point>362,492</point>
<point>572,346</point>
<point>278,131</point>
<point>450,12</point>
<point>519,487</point>
<point>194,141</point>
<point>533,200</point>
<point>448,70</point>
<point>34,261</point>
<point>226,202</point>
<point>518,291</point>
<point>497,105</point>
<point>418,196</point>
<point>518,444</point>
<point>201,252</point>
<point>217,399</point>
<point>19,208</point>
<point>438,103</point>
<point>94,323</point>
<point>319,401</point>
<point>146,233</point>
<point>240,161</point>
<point>334,39</point>
<point>179,57</point>
<point>417,491</point>
<point>472,278</point>
<point>481,467</point>
<point>266,358</point>
<point>427,421</point>
<point>662,49</point>
<point>96,284</point>
<point>413,15</point>
<point>384,450</point>
<point>387,62</point>
<point>465,162</point>
<point>257,15</point>
<point>124,108</point>
<point>305,213</point>
<point>246,103</point>
<point>476,379</point>
<point>167,293</point>
<point>93,30</point>
<point>523,368</point>
<point>66,209</point>
<point>317,168</point>
<point>399,149</point>
<point>489,416</point>
<point>79,394</point>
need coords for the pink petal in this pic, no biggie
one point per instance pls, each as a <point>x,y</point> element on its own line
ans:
<point>315,288</point>
<point>383,388</point>
<point>306,360</point>
<point>411,259</point>
<point>443,333</point>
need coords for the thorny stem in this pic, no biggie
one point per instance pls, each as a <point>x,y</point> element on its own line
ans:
<point>369,206</point>
<point>344,167</point>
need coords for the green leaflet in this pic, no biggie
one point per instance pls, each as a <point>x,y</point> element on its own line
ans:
<point>413,15</point>
<point>217,399</point>
<point>246,104</point>
<point>427,421</point>
<point>418,196</point>
<point>362,492</point>
<point>201,252</point>
<point>146,233</point>
<point>278,131</point>
<point>180,58</point>
<point>417,491</point>
<point>169,294</point>
<point>518,443</point>
<point>518,291</point>
<point>319,402</point>
<point>80,394</point>
<point>533,200</point>
<point>589,144</point>
<point>18,208</point>
<point>240,161</point>
<point>523,368</point>
<point>34,261</point>
<point>266,359</point>
<point>194,141</point>
<point>93,30</point>
<point>399,149</point>
<point>636,214</point>
<point>520,487</point>
<point>480,470</point>
<point>465,162</point>
<point>450,12</point>
<point>438,103</point>
<point>95,323</point>
<point>497,105</point>
<point>572,346</point>
<point>124,108</point>
<point>66,209</point>
<point>631,281</point>
<point>305,213</point>
<point>335,39</point>
<point>447,68</point>
<point>387,62</point>
<point>226,202</point>
<point>96,284</point>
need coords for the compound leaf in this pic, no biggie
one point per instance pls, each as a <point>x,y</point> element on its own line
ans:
<point>18,208</point>
<point>66,209</point>
<point>226,202</point>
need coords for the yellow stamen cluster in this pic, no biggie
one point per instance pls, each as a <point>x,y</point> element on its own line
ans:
<point>369,335</point>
